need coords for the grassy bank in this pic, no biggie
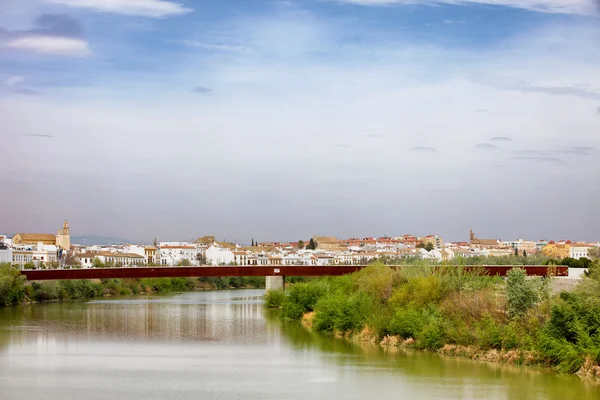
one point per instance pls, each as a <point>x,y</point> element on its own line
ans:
<point>14,289</point>
<point>455,312</point>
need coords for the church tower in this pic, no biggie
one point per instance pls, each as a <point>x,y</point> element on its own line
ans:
<point>63,237</point>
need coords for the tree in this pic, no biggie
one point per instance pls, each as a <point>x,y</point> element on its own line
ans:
<point>420,245</point>
<point>521,293</point>
<point>72,261</point>
<point>517,252</point>
<point>594,253</point>
<point>312,245</point>
<point>97,263</point>
<point>300,244</point>
<point>201,258</point>
<point>524,253</point>
<point>429,246</point>
<point>184,263</point>
<point>252,242</point>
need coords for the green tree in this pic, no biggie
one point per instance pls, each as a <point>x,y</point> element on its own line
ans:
<point>517,252</point>
<point>252,242</point>
<point>429,246</point>
<point>300,244</point>
<point>525,253</point>
<point>594,253</point>
<point>521,293</point>
<point>12,286</point>
<point>312,245</point>
<point>96,263</point>
<point>184,263</point>
<point>420,245</point>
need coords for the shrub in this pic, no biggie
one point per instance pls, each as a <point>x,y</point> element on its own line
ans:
<point>12,289</point>
<point>377,279</point>
<point>274,298</point>
<point>471,306</point>
<point>407,322</point>
<point>45,291</point>
<point>419,291</point>
<point>521,293</point>
<point>342,313</point>
<point>431,337</point>
<point>511,336</point>
<point>302,298</point>
<point>489,333</point>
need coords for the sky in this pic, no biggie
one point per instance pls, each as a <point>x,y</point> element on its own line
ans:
<point>279,120</point>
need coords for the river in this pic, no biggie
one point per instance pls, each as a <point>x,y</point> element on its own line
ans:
<point>225,345</point>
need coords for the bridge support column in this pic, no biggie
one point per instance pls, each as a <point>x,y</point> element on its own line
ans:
<point>276,282</point>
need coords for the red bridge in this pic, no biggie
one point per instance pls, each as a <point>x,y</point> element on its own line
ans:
<point>283,270</point>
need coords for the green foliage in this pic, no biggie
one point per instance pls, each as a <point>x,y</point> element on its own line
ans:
<point>418,291</point>
<point>408,321</point>
<point>29,265</point>
<point>302,298</point>
<point>312,245</point>
<point>184,263</point>
<point>342,313</point>
<point>45,291</point>
<point>521,293</point>
<point>300,244</point>
<point>11,286</point>
<point>377,279</point>
<point>233,282</point>
<point>96,263</point>
<point>489,333</point>
<point>274,298</point>
<point>429,246</point>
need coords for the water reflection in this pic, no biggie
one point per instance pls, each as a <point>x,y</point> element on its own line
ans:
<point>459,378</point>
<point>225,345</point>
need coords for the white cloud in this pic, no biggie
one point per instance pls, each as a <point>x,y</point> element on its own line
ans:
<point>219,47</point>
<point>144,8</point>
<point>13,80</point>
<point>547,6</point>
<point>51,45</point>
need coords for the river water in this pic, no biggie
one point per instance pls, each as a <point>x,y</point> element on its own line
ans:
<point>224,345</point>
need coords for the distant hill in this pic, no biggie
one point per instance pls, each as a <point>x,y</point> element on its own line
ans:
<point>88,240</point>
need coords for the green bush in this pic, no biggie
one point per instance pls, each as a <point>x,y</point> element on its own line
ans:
<point>274,298</point>
<point>511,336</point>
<point>431,337</point>
<point>489,333</point>
<point>342,313</point>
<point>45,291</point>
<point>407,322</point>
<point>12,290</point>
<point>419,291</point>
<point>302,298</point>
<point>521,293</point>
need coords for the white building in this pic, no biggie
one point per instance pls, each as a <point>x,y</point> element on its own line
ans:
<point>44,253</point>
<point>6,255</point>
<point>219,255</point>
<point>173,253</point>
<point>135,249</point>
<point>22,256</point>
<point>579,251</point>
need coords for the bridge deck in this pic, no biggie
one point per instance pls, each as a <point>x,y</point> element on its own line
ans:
<point>230,271</point>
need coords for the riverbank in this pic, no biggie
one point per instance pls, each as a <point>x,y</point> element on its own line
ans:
<point>14,289</point>
<point>457,313</point>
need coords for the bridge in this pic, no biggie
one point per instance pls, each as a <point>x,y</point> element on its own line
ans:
<point>275,274</point>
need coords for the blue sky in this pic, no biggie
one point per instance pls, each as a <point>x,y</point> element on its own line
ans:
<point>283,119</point>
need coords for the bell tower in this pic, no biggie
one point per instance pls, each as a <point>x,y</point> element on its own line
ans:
<point>63,237</point>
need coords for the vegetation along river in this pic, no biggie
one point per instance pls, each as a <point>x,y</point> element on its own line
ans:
<point>226,345</point>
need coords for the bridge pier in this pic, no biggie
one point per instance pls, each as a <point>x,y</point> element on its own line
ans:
<point>276,282</point>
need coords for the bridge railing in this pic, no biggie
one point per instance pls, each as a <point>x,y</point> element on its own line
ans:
<point>282,270</point>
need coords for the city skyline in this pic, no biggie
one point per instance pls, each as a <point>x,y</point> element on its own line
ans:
<point>284,119</point>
